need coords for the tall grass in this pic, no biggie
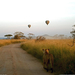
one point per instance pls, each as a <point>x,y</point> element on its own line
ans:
<point>64,55</point>
<point>6,42</point>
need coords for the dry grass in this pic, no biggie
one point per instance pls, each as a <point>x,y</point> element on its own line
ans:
<point>64,55</point>
<point>6,42</point>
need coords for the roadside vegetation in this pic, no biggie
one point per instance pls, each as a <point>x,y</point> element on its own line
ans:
<point>10,41</point>
<point>64,55</point>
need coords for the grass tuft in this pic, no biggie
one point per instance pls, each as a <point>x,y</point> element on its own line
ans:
<point>7,42</point>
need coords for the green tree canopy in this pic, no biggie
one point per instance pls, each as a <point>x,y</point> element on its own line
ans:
<point>18,35</point>
<point>8,36</point>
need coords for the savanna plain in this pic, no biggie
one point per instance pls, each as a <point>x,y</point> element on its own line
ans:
<point>64,55</point>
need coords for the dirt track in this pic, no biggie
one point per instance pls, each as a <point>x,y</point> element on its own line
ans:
<point>15,61</point>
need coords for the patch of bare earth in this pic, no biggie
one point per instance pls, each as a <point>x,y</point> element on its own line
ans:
<point>15,61</point>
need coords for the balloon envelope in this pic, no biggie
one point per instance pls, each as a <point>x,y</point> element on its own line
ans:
<point>47,22</point>
<point>29,26</point>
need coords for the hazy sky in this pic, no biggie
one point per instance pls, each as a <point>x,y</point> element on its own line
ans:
<point>15,15</point>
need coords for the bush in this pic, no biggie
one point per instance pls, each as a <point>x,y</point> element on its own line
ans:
<point>40,38</point>
<point>16,37</point>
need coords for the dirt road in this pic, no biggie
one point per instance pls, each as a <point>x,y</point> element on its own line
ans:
<point>15,61</point>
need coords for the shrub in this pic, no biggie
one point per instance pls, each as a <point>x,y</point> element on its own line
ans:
<point>40,38</point>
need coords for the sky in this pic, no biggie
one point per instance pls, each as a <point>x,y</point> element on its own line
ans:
<point>16,15</point>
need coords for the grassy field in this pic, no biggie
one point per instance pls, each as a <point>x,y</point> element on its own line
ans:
<point>64,55</point>
<point>6,42</point>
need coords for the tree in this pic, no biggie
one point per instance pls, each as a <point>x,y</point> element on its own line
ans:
<point>30,35</point>
<point>73,32</point>
<point>8,36</point>
<point>40,38</point>
<point>73,35</point>
<point>18,35</point>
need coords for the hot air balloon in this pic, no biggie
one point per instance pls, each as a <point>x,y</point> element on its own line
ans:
<point>29,26</point>
<point>47,22</point>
